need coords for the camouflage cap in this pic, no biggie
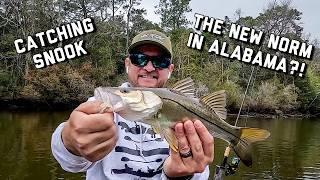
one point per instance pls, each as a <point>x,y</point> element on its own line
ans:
<point>152,37</point>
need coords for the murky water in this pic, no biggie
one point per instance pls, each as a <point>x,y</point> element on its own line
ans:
<point>292,151</point>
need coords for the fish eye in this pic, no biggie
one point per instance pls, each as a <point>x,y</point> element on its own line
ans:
<point>124,91</point>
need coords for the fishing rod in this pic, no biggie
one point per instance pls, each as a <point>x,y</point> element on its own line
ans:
<point>232,167</point>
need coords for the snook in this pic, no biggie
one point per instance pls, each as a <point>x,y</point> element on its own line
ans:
<point>162,108</point>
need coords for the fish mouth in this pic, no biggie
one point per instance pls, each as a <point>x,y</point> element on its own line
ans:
<point>116,101</point>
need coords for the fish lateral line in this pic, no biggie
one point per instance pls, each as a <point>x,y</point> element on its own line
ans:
<point>210,122</point>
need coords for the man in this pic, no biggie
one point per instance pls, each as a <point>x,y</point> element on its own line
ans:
<point>110,147</point>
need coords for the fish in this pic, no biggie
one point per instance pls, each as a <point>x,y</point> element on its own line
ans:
<point>162,108</point>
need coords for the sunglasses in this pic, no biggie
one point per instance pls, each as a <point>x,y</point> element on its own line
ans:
<point>141,60</point>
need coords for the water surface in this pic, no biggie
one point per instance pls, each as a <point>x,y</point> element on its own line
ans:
<point>292,151</point>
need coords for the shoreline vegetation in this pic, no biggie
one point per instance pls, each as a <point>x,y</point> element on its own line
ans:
<point>24,104</point>
<point>65,85</point>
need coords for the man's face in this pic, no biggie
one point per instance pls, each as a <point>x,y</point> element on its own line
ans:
<point>148,76</point>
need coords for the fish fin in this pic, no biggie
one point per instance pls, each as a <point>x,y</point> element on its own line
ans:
<point>247,137</point>
<point>162,126</point>
<point>156,127</point>
<point>217,102</point>
<point>185,86</point>
<point>170,137</point>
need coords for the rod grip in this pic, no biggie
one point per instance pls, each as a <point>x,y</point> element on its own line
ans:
<point>227,151</point>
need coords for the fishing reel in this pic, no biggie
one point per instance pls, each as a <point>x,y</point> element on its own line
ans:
<point>231,168</point>
<point>228,168</point>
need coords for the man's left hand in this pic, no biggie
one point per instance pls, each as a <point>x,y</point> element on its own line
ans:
<point>192,137</point>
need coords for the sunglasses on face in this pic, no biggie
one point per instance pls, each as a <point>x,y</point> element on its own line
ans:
<point>141,60</point>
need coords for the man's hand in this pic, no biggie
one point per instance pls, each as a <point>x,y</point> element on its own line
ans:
<point>88,133</point>
<point>194,137</point>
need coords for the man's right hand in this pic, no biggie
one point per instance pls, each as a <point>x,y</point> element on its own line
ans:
<point>89,133</point>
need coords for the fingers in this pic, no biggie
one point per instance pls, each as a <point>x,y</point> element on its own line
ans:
<point>182,139</point>
<point>105,107</point>
<point>92,139</point>
<point>90,123</point>
<point>194,141</point>
<point>98,122</point>
<point>90,107</point>
<point>175,156</point>
<point>206,139</point>
<point>98,151</point>
<point>194,137</point>
<point>89,134</point>
<point>85,118</point>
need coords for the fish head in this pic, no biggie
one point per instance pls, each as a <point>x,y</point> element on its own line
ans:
<point>136,105</point>
<point>109,98</point>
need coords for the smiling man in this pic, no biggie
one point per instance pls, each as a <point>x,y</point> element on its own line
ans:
<point>107,146</point>
<point>149,62</point>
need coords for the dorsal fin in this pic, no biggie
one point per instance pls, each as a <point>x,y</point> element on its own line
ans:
<point>185,86</point>
<point>217,102</point>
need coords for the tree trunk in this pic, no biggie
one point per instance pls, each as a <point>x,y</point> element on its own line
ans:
<point>113,10</point>
<point>84,9</point>
<point>128,21</point>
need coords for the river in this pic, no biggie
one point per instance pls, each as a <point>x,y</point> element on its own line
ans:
<point>291,152</point>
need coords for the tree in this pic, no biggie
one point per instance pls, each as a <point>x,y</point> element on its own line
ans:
<point>280,20</point>
<point>172,13</point>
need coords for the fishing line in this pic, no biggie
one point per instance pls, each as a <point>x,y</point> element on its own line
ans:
<point>244,97</point>
<point>313,100</point>
<point>245,94</point>
<point>231,169</point>
<point>248,108</point>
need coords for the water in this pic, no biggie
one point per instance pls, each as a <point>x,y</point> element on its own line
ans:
<point>292,151</point>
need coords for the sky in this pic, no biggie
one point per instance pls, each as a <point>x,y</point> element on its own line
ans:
<point>219,9</point>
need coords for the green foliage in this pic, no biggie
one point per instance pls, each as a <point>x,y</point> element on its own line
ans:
<point>4,80</point>
<point>117,23</point>
<point>280,20</point>
<point>234,93</point>
<point>310,90</point>
<point>59,83</point>
<point>272,95</point>
<point>172,13</point>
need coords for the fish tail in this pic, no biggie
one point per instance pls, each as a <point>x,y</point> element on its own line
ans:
<point>247,136</point>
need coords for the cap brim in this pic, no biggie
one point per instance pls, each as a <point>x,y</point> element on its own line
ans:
<point>133,46</point>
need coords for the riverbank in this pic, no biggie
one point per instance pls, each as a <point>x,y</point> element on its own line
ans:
<point>25,104</point>
<point>274,116</point>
